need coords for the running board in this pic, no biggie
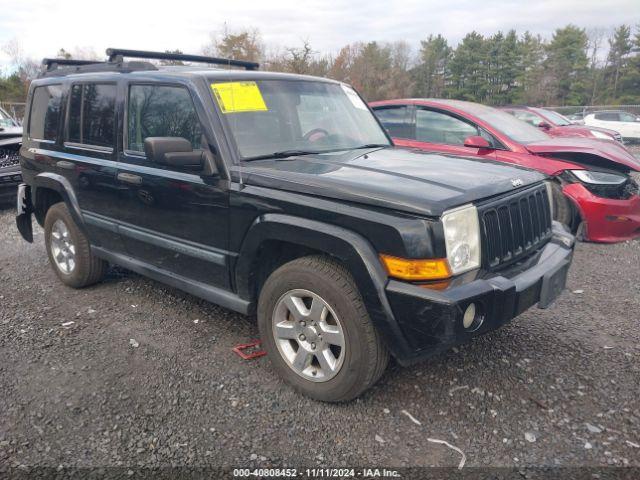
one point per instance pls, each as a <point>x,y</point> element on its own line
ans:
<point>215,295</point>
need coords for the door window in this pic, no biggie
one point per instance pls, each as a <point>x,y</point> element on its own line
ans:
<point>438,127</point>
<point>92,114</point>
<point>161,111</point>
<point>397,121</point>
<point>45,113</point>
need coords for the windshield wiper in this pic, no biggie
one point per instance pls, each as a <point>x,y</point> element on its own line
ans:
<point>372,145</point>
<point>283,154</point>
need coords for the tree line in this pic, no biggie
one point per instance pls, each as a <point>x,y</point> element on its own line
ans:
<point>574,67</point>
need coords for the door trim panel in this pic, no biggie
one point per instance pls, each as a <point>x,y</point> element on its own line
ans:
<point>216,295</point>
<point>185,247</point>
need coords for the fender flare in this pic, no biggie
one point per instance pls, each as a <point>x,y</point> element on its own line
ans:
<point>351,248</point>
<point>61,185</point>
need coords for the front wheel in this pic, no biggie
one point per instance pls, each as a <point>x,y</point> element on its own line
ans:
<point>316,330</point>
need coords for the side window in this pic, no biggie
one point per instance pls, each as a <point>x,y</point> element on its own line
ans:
<point>607,116</point>
<point>396,120</point>
<point>45,112</point>
<point>528,117</point>
<point>161,111</point>
<point>92,114</point>
<point>437,127</point>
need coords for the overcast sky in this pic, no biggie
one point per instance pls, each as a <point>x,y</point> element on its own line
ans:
<point>44,26</point>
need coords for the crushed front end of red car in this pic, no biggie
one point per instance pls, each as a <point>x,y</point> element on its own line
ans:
<point>610,213</point>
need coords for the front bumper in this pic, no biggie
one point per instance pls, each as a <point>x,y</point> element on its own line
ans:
<point>606,220</point>
<point>431,320</point>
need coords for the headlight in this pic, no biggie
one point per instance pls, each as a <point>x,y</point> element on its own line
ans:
<point>598,134</point>
<point>599,178</point>
<point>462,238</point>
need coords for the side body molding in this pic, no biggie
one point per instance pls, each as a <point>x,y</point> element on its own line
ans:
<point>349,247</point>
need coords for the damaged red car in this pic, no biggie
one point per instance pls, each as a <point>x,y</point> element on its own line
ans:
<point>596,191</point>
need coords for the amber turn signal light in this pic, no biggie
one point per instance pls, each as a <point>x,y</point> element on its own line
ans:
<point>414,270</point>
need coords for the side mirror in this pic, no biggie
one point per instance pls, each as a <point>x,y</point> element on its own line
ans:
<point>476,141</point>
<point>174,152</point>
<point>544,125</point>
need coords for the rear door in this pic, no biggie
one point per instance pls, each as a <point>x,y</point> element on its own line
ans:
<point>175,219</point>
<point>72,130</point>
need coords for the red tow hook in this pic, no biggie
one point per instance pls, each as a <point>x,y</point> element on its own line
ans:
<point>255,353</point>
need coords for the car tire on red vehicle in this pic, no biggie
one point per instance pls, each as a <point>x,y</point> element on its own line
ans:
<point>563,211</point>
<point>317,332</point>
<point>69,250</point>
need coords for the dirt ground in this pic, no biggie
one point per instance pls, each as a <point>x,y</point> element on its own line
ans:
<point>132,373</point>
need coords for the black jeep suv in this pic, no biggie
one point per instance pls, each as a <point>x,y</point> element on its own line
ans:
<point>282,196</point>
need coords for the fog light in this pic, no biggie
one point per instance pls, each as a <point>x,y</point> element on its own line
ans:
<point>469,315</point>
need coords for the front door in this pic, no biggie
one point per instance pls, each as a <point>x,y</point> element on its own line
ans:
<point>440,131</point>
<point>175,219</point>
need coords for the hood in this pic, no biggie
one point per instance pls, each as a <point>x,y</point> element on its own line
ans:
<point>590,152</point>
<point>408,180</point>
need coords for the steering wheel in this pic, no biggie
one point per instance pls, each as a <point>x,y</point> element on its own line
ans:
<point>315,135</point>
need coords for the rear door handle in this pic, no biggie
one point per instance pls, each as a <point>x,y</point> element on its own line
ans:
<point>130,178</point>
<point>66,165</point>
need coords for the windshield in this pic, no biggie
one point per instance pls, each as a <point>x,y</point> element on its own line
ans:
<point>506,123</point>
<point>269,117</point>
<point>554,117</point>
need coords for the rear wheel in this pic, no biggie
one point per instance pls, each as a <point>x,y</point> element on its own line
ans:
<point>317,332</point>
<point>69,250</point>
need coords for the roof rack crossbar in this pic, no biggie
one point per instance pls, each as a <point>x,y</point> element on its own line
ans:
<point>117,53</point>
<point>51,63</point>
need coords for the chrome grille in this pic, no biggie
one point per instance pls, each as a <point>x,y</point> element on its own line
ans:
<point>9,158</point>
<point>514,226</point>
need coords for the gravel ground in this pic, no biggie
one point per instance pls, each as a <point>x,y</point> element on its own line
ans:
<point>557,387</point>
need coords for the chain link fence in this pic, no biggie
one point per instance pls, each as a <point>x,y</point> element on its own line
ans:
<point>586,109</point>
<point>16,110</point>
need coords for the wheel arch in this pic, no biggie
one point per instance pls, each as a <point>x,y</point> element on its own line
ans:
<point>49,188</point>
<point>303,236</point>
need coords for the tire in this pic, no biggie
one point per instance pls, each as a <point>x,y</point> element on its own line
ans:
<point>359,363</point>
<point>82,268</point>
<point>562,209</point>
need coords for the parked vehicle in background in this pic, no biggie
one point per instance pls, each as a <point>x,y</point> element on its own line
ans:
<point>281,195</point>
<point>558,125</point>
<point>576,118</point>
<point>601,199</point>
<point>626,123</point>
<point>10,141</point>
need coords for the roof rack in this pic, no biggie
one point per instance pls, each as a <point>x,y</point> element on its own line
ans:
<point>52,63</point>
<point>117,55</point>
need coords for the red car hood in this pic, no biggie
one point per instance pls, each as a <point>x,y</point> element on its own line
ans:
<point>587,151</point>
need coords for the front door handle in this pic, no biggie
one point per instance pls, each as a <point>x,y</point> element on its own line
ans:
<point>129,178</point>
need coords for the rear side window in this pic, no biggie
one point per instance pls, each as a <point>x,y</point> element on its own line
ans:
<point>45,112</point>
<point>92,117</point>
<point>396,120</point>
<point>161,111</point>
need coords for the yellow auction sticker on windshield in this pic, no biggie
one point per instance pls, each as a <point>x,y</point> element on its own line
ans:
<point>235,97</point>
